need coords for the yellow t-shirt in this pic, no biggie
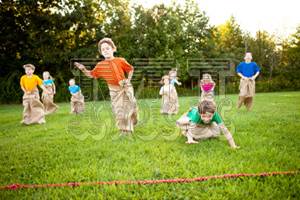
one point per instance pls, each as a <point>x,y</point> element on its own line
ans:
<point>30,83</point>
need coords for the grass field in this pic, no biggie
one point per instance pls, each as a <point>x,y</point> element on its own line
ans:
<point>88,148</point>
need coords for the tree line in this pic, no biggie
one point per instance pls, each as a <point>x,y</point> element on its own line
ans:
<point>49,33</point>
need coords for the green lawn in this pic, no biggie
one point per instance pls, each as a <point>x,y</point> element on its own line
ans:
<point>88,148</point>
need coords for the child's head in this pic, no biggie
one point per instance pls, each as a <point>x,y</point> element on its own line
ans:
<point>248,57</point>
<point>206,78</point>
<point>72,82</point>
<point>29,69</point>
<point>46,75</point>
<point>206,110</point>
<point>165,80</point>
<point>107,48</point>
<point>173,72</point>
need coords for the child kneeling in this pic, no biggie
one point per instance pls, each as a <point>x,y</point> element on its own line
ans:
<point>202,123</point>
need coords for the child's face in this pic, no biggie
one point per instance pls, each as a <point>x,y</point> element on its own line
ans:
<point>166,81</point>
<point>248,57</point>
<point>206,80</point>
<point>107,51</point>
<point>206,117</point>
<point>71,82</point>
<point>29,71</point>
<point>45,76</point>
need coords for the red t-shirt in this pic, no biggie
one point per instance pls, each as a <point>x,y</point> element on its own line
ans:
<point>112,71</point>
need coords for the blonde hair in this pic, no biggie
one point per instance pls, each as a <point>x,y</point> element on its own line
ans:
<point>206,76</point>
<point>107,41</point>
<point>29,65</point>
<point>49,76</point>
<point>163,78</point>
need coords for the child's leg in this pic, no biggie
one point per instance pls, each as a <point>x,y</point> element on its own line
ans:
<point>241,100</point>
<point>26,111</point>
<point>249,103</point>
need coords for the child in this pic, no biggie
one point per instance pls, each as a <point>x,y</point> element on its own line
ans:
<point>204,122</point>
<point>77,99</point>
<point>33,108</point>
<point>173,77</point>
<point>113,71</point>
<point>207,86</point>
<point>47,99</point>
<point>169,97</point>
<point>248,71</point>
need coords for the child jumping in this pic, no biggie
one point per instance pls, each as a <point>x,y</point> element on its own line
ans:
<point>33,108</point>
<point>113,71</point>
<point>202,123</point>
<point>77,99</point>
<point>168,92</point>
<point>47,98</point>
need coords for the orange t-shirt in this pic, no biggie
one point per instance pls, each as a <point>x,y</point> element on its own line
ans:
<point>30,83</point>
<point>112,71</point>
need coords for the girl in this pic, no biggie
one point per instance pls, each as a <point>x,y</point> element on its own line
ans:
<point>168,92</point>
<point>47,98</point>
<point>207,86</point>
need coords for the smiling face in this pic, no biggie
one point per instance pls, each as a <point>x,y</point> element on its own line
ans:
<point>206,117</point>
<point>248,57</point>
<point>107,51</point>
<point>29,71</point>
<point>46,75</point>
<point>71,82</point>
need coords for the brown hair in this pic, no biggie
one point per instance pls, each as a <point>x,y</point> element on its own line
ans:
<point>29,65</point>
<point>206,106</point>
<point>107,41</point>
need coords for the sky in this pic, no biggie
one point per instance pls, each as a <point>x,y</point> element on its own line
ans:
<point>279,17</point>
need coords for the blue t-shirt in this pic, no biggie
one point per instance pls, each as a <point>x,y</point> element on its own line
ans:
<point>48,82</point>
<point>248,69</point>
<point>74,89</point>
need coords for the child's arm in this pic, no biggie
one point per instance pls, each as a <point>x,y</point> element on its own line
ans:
<point>161,91</point>
<point>44,89</point>
<point>177,82</point>
<point>129,77</point>
<point>82,68</point>
<point>255,76</point>
<point>241,75</point>
<point>228,136</point>
<point>190,139</point>
<point>54,88</point>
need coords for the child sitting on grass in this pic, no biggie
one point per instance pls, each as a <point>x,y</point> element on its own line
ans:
<point>77,99</point>
<point>202,123</point>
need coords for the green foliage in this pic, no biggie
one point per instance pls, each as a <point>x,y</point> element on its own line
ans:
<point>50,33</point>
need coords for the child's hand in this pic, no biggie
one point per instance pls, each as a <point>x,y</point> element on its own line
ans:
<point>236,147</point>
<point>191,142</point>
<point>79,66</point>
<point>179,83</point>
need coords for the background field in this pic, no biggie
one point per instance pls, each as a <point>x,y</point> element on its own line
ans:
<point>88,148</point>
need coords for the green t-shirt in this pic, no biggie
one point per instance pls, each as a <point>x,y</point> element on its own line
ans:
<point>194,116</point>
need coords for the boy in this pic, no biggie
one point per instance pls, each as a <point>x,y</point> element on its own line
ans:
<point>204,122</point>
<point>248,71</point>
<point>113,71</point>
<point>33,108</point>
<point>77,99</point>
